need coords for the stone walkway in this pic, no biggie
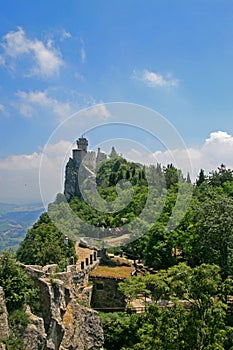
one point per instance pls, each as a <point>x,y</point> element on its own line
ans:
<point>83,254</point>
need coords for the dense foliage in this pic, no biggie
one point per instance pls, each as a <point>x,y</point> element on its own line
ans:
<point>121,192</point>
<point>17,286</point>
<point>18,289</point>
<point>193,315</point>
<point>198,288</point>
<point>44,244</point>
<point>205,233</point>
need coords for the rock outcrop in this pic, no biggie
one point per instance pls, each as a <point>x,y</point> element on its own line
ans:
<point>67,324</point>
<point>82,329</point>
<point>4,328</point>
<point>34,334</point>
<point>64,323</point>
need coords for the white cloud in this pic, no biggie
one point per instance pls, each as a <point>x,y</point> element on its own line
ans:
<point>217,149</point>
<point>97,110</point>
<point>3,110</point>
<point>65,34</point>
<point>79,76</point>
<point>44,59</point>
<point>26,110</point>
<point>32,100</point>
<point>21,162</point>
<point>19,178</point>
<point>153,79</point>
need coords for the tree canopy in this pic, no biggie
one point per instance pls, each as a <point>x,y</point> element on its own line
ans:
<point>44,244</point>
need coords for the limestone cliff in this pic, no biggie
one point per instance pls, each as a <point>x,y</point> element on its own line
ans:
<point>34,334</point>
<point>64,323</point>
<point>68,325</point>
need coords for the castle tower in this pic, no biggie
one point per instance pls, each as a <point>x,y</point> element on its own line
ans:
<point>81,151</point>
<point>82,144</point>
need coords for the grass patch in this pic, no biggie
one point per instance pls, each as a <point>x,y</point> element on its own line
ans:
<point>115,272</point>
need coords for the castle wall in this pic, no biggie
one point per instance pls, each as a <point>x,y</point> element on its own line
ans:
<point>78,155</point>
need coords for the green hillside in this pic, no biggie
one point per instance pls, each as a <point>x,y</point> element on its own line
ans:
<point>187,240</point>
<point>125,199</point>
<point>15,220</point>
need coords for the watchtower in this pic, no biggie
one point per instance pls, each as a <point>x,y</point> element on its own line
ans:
<point>81,151</point>
<point>82,144</point>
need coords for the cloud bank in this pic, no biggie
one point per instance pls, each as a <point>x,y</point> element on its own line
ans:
<point>217,149</point>
<point>19,174</point>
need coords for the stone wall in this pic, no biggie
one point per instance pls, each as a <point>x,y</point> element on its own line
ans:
<point>76,275</point>
<point>105,293</point>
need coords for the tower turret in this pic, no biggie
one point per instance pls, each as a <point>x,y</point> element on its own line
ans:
<point>82,144</point>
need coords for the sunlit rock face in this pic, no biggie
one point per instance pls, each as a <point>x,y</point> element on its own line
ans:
<point>64,324</point>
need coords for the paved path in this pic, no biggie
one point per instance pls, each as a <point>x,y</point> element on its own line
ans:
<point>82,254</point>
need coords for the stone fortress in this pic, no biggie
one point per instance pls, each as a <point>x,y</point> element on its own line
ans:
<point>84,160</point>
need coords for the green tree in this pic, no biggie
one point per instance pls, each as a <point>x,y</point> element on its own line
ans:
<point>188,178</point>
<point>133,287</point>
<point>158,251</point>
<point>44,244</point>
<point>221,175</point>
<point>213,232</point>
<point>120,330</point>
<point>196,318</point>
<point>172,175</point>
<point>17,286</point>
<point>201,178</point>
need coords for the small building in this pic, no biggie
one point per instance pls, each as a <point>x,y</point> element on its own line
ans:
<point>105,295</point>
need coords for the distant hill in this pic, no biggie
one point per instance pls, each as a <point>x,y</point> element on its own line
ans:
<point>15,219</point>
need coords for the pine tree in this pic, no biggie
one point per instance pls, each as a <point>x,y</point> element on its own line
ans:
<point>201,178</point>
<point>188,178</point>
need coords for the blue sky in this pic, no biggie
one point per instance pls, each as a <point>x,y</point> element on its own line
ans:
<point>57,57</point>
